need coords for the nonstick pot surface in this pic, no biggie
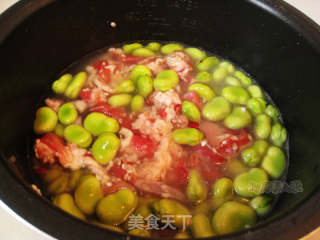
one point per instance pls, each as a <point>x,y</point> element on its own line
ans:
<point>276,44</point>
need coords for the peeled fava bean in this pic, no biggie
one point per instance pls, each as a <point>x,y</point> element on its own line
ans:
<point>232,81</point>
<point>190,110</point>
<point>196,54</point>
<point>239,118</point>
<point>78,135</point>
<point>187,136</point>
<point>126,86</point>
<point>46,120</point>
<point>87,194</point>
<point>60,85</point>
<point>262,126</point>
<point>251,157</point>
<point>170,47</point>
<point>74,178</point>
<point>255,91</point>
<point>223,188</point>
<point>166,80</point>
<point>246,81</point>
<point>59,129</point>
<point>256,105</point>
<point>171,207</point>
<point>228,66</point>
<point>115,208</point>
<point>262,205</point>
<point>232,217</point>
<point>216,109</point>
<point>219,74</point>
<point>143,52</point>
<point>139,70</point>
<point>272,112</point>
<point>98,123</point>
<point>278,134</point>
<point>204,91</point>
<point>201,227</point>
<point>154,46</point>
<point>67,204</point>
<point>251,183</point>
<point>274,162</point>
<point>236,95</point>
<point>59,185</point>
<point>207,63</point>
<point>53,173</point>
<point>203,77</point>
<point>137,103</point>
<point>67,113</point>
<point>105,147</point>
<point>140,232</point>
<point>120,100</point>
<point>129,48</point>
<point>144,85</point>
<point>77,83</point>
<point>196,190</point>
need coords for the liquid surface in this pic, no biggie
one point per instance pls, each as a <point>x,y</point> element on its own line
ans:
<point>160,140</point>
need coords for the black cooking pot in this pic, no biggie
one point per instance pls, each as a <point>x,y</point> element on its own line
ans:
<point>278,45</point>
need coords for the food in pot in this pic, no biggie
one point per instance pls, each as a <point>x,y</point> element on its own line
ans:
<point>160,140</point>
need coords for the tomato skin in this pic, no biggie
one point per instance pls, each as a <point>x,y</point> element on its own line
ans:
<point>194,97</point>
<point>117,171</point>
<point>178,108</point>
<point>205,151</point>
<point>41,170</point>
<point>129,60</point>
<point>143,145</point>
<point>193,124</point>
<point>86,94</point>
<point>162,113</point>
<point>107,110</point>
<point>103,72</point>
<point>53,141</point>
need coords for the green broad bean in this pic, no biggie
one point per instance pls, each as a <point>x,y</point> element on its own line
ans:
<point>201,227</point>
<point>139,70</point>
<point>232,81</point>
<point>255,91</point>
<point>143,52</point>
<point>166,80</point>
<point>59,130</point>
<point>144,85</point>
<point>251,183</point>
<point>140,232</point>
<point>67,113</point>
<point>87,194</point>
<point>143,210</point>
<point>262,126</point>
<point>223,188</point>
<point>182,235</point>
<point>59,185</point>
<point>154,46</point>
<point>262,205</point>
<point>65,202</point>
<point>246,81</point>
<point>239,118</point>
<point>232,217</point>
<point>196,54</point>
<point>115,208</point>
<point>46,120</point>
<point>261,146</point>
<point>274,162</point>
<point>219,74</point>
<point>256,105</point>
<point>188,136</point>
<point>170,47</point>
<point>52,174</point>
<point>74,179</point>
<point>120,100</point>
<point>171,207</point>
<point>251,157</point>
<point>78,135</point>
<point>228,66</point>
<point>204,91</point>
<point>278,134</point>
<point>235,167</point>
<point>77,83</point>
<point>196,190</point>
<point>125,87</point>
<point>272,112</point>
<point>60,85</point>
<point>236,95</point>
<point>216,109</point>
<point>203,77</point>
<point>137,103</point>
<point>105,147</point>
<point>190,110</point>
<point>129,48</point>
<point>207,63</point>
<point>98,123</point>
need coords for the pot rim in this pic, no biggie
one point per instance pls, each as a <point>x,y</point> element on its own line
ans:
<point>20,197</point>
